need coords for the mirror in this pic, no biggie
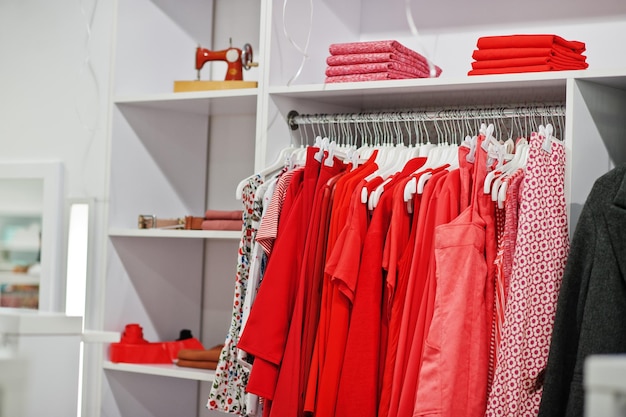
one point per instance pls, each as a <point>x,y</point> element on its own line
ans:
<point>30,235</point>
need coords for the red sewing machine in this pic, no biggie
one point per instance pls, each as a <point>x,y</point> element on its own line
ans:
<point>236,59</point>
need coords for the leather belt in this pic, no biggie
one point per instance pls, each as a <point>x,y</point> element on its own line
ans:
<point>150,221</point>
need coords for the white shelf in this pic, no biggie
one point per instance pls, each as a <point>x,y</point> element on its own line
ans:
<point>21,212</point>
<point>606,373</point>
<point>546,76</point>
<point>18,279</point>
<point>235,101</point>
<point>97,336</point>
<point>192,234</point>
<point>23,247</point>
<point>36,322</point>
<point>432,92</point>
<point>172,371</point>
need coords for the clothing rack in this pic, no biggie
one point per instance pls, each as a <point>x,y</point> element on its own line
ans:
<point>449,124</point>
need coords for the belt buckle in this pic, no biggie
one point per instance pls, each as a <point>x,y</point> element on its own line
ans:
<point>146,221</point>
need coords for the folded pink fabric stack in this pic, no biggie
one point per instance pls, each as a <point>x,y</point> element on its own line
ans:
<point>375,60</point>
<point>222,220</point>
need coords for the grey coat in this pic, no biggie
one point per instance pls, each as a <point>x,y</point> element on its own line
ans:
<point>591,309</point>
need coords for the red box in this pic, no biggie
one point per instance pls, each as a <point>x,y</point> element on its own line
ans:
<point>133,348</point>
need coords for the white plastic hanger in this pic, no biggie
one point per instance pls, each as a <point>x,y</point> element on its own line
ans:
<point>387,163</point>
<point>334,151</point>
<point>518,162</point>
<point>502,152</point>
<point>445,154</point>
<point>448,156</point>
<point>385,154</point>
<point>416,148</point>
<point>433,160</point>
<point>437,155</point>
<point>322,146</point>
<point>403,154</point>
<point>548,138</point>
<point>277,165</point>
<point>396,166</point>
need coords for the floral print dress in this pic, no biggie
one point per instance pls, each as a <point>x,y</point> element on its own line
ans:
<point>231,376</point>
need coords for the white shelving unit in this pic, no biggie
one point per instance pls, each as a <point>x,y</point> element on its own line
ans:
<point>39,358</point>
<point>11,278</point>
<point>188,234</point>
<point>176,154</point>
<point>605,387</point>
<point>223,102</point>
<point>172,371</point>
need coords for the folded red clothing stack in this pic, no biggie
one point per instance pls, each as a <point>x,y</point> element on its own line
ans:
<point>527,53</point>
<point>375,60</point>
<point>222,220</point>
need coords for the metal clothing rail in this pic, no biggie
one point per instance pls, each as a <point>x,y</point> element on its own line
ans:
<point>418,125</point>
<point>294,119</point>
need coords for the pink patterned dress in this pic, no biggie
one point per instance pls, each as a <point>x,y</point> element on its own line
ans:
<point>541,251</point>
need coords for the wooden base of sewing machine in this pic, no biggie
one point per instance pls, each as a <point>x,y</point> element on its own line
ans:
<point>195,85</point>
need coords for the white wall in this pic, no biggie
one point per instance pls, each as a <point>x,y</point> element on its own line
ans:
<point>54,81</point>
<point>55,59</point>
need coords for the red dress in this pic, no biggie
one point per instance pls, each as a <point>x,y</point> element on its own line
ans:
<point>342,266</point>
<point>288,397</point>
<point>454,372</point>
<point>342,193</point>
<point>422,301</point>
<point>396,286</point>
<point>414,290</point>
<point>265,335</point>
<point>362,351</point>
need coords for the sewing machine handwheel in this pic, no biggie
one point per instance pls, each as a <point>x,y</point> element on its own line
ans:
<point>246,56</point>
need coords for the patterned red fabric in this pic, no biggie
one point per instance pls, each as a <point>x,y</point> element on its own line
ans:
<point>511,205</point>
<point>376,67</point>
<point>540,255</point>
<point>504,258</point>
<point>374,76</point>
<point>349,59</point>
<point>416,71</point>
<point>379,58</point>
<point>374,47</point>
<point>268,230</point>
<point>500,221</point>
<point>391,58</point>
